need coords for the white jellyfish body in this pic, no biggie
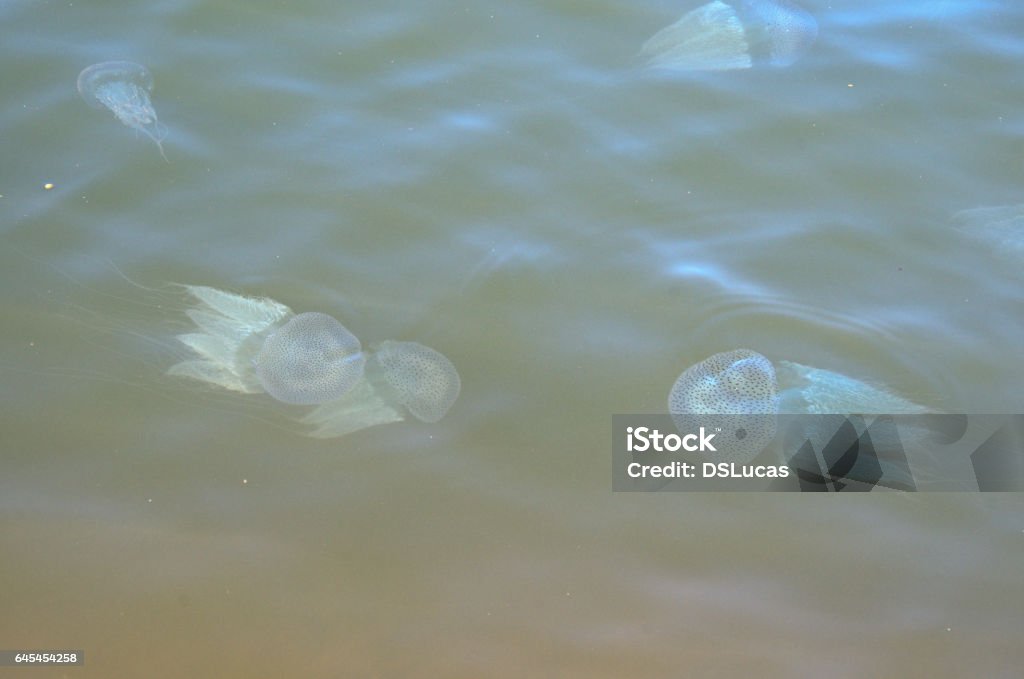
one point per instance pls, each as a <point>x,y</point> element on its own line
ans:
<point>738,34</point>
<point>741,392</point>
<point>424,380</point>
<point>733,391</point>
<point>256,345</point>
<point>123,87</point>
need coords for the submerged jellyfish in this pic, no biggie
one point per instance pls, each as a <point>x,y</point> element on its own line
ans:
<point>721,36</point>
<point>123,87</point>
<point>1002,227</point>
<point>257,345</point>
<point>734,391</point>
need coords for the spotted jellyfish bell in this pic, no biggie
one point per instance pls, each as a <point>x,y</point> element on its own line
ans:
<point>738,34</point>
<point>732,394</point>
<point>310,359</point>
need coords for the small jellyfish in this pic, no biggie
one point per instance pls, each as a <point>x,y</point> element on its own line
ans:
<point>123,87</point>
<point>738,34</point>
<point>1001,227</point>
<point>256,345</point>
<point>734,392</point>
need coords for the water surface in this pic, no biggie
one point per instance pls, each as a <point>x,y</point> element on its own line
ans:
<point>506,183</point>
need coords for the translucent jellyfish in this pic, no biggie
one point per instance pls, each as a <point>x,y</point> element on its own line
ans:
<point>123,87</point>
<point>256,345</point>
<point>1001,227</point>
<point>734,391</point>
<point>737,34</point>
<point>741,392</point>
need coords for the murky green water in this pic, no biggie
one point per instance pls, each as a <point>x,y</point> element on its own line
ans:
<point>506,183</point>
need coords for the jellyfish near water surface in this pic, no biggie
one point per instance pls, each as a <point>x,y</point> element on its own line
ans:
<point>123,87</point>
<point>741,392</point>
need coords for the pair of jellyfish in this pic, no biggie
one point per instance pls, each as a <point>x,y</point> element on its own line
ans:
<point>257,345</point>
<point>123,88</point>
<point>738,34</point>
<point>739,392</point>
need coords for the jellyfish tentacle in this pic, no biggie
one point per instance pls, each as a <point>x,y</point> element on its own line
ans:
<point>362,407</point>
<point>709,38</point>
<point>725,35</point>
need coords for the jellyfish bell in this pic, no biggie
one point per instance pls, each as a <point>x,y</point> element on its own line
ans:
<point>423,379</point>
<point>730,382</point>
<point>732,35</point>
<point>94,82</point>
<point>123,88</point>
<point>734,391</point>
<point>310,359</point>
